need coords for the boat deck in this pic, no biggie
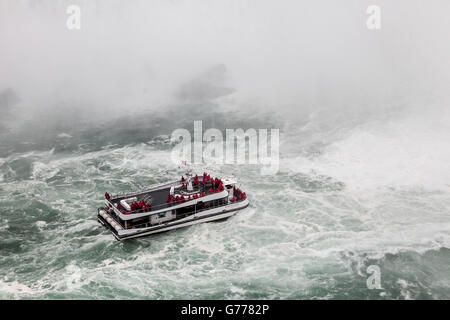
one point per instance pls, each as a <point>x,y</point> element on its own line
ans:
<point>156,209</point>
<point>159,196</point>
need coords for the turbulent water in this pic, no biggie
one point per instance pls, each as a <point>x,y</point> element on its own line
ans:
<point>364,175</point>
<point>349,194</point>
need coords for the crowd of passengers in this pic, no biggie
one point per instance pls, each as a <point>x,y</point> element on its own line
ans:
<point>215,185</point>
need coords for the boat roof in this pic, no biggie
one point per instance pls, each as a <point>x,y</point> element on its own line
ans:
<point>159,195</point>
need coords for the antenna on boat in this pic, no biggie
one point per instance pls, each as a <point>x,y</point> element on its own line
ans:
<point>187,168</point>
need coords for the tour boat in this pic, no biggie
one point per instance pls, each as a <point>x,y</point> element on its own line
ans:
<point>173,205</point>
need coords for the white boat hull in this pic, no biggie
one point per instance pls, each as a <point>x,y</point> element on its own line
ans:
<point>210,215</point>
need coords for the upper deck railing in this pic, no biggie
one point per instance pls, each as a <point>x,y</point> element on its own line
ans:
<point>154,208</point>
<point>121,195</point>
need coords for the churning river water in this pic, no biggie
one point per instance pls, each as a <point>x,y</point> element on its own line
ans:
<point>350,193</point>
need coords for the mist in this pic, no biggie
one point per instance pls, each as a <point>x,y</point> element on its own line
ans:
<point>293,59</point>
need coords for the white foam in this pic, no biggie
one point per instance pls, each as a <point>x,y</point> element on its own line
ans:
<point>41,224</point>
<point>64,135</point>
<point>14,288</point>
<point>411,151</point>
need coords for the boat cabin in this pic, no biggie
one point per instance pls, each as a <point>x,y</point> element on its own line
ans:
<point>170,202</point>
